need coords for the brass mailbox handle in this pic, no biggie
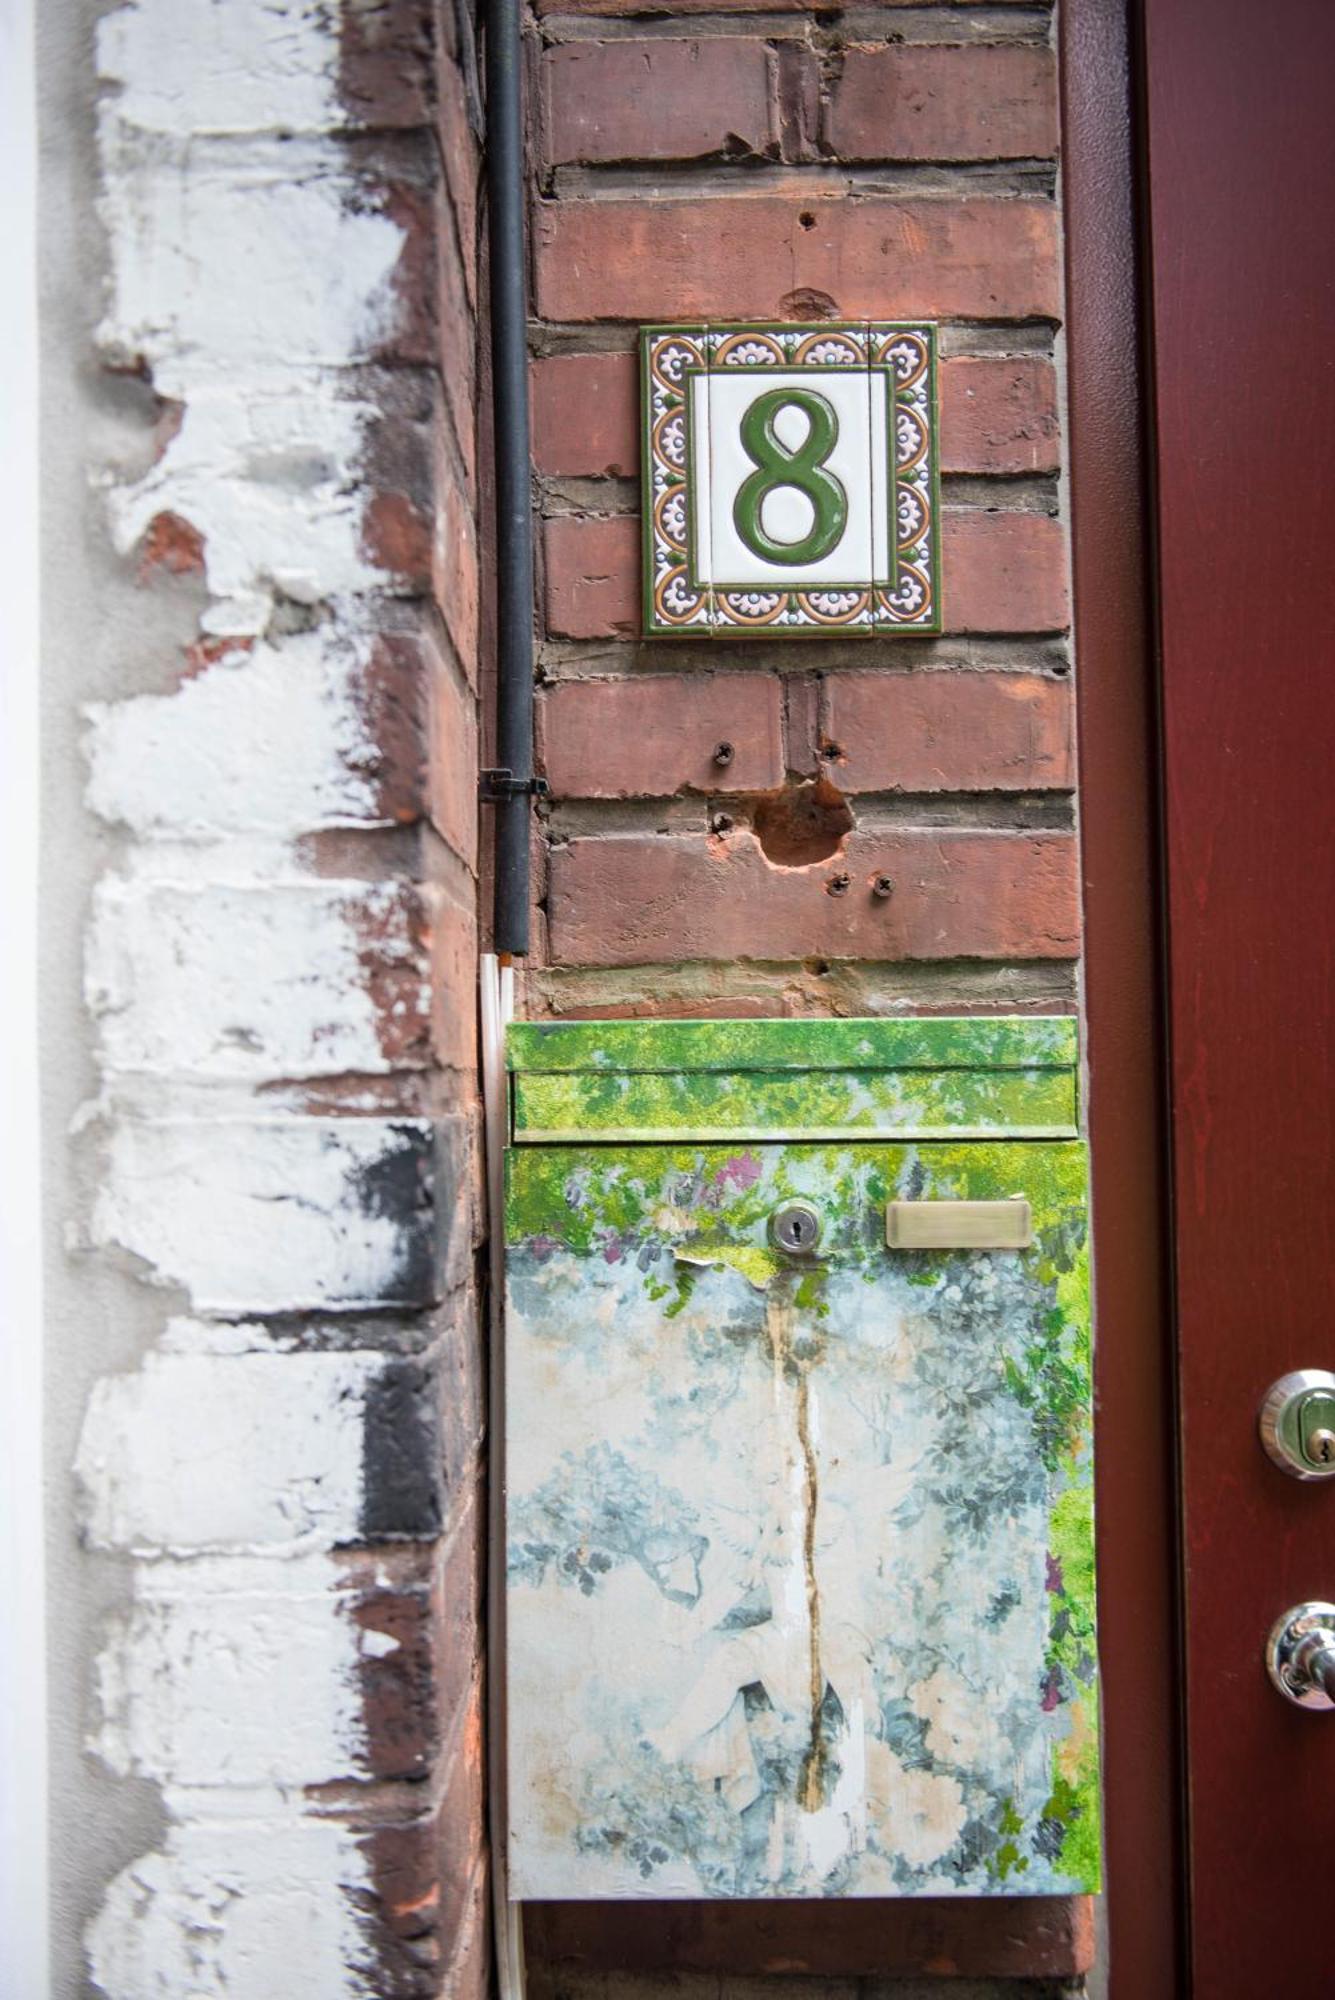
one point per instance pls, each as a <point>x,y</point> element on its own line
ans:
<point>959,1225</point>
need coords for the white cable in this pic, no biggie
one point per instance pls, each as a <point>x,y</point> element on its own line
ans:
<point>497,994</point>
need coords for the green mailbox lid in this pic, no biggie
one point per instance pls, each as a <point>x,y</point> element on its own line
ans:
<point>940,1077</point>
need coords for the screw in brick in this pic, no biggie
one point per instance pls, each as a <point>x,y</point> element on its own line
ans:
<point>882,887</point>
<point>838,885</point>
<point>723,754</point>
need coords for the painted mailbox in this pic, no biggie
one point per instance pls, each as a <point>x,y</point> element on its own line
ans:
<point>799,1524</point>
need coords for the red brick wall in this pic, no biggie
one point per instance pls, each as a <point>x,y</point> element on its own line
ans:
<point>694,159</point>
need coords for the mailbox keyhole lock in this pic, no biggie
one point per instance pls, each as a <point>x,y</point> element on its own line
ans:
<point>795,1226</point>
<point>1298,1423</point>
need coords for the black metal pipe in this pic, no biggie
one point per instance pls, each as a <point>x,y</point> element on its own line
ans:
<point>514,496</point>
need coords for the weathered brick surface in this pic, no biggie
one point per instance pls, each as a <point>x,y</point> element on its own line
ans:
<point>663,733</point>
<point>386,63</point>
<point>949,732</point>
<point>657,100</point>
<point>1003,572</point>
<point>586,414</point>
<point>637,899</point>
<point>998,414</point>
<point>461,1816</point>
<point>750,256</point>
<point>409,198</point>
<point>741,7</point>
<point>453,758</point>
<point>455,571</point>
<point>933,731</point>
<point>593,576</point>
<point>457,1614</point>
<point>460,1377</point>
<point>458,347</point>
<point>398,522</point>
<point>457,106</point>
<point>400,1668</point>
<point>900,102</point>
<point>468,1974</point>
<point>293,261</point>
<point>426,1868</point>
<point>454,983</point>
<point>461,1218</point>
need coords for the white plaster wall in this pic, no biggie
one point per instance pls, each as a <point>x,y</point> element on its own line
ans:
<point>23,1872</point>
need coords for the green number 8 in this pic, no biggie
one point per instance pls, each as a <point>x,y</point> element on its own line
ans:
<point>804,469</point>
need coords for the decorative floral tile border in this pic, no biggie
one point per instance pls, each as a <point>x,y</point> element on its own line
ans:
<point>891,507</point>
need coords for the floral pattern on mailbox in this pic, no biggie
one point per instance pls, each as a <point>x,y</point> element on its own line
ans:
<point>799,1546</point>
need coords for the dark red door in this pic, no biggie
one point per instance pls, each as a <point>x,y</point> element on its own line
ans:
<point>1241,196</point>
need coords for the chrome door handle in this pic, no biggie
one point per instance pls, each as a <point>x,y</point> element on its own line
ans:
<point>1300,1655</point>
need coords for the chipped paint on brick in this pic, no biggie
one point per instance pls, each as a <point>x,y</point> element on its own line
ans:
<point>283,1468</point>
<point>266,743</point>
<point>171,978</point>
<point>258,69</point>
<point>268,479</point>
<point>276,1215</point>
<point>268,280</point>
<point>248,1902</point>
<point>233,1670</point>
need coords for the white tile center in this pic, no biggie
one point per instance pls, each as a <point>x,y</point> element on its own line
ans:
<point>856,459</point>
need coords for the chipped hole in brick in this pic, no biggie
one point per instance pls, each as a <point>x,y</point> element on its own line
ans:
<point>806,303</point>
<point>802,823</point>
<point>806,219</point>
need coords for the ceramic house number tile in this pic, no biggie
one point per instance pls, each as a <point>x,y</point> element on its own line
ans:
<point>790,479</point>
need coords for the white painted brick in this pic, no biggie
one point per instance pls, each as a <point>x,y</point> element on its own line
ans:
<point>255,69</point>
<point>231,255</point>
<point>249,276</point>
<point>235,981</point>
<point>233,1671</point>
<point>252,1215</point>
<point>267,743</point>
<point>230,1337</point>
<point>268,473</point>
<point>237,1910</point>
<point>210,1452</point>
